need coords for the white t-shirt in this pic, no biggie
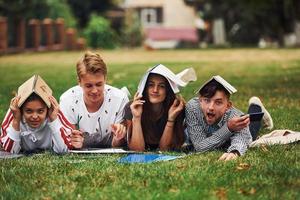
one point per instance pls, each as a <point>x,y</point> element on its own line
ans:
<point>110,112</point>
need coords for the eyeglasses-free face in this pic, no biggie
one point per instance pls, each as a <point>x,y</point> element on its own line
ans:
<point>34,113</point>
<point>93,88</point>
<point>156,88</point>
<point>215,107</point>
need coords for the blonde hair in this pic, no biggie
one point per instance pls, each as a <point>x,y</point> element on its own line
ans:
<point>91,63</point>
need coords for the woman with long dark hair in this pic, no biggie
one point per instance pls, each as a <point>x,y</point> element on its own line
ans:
<point>155,116</point>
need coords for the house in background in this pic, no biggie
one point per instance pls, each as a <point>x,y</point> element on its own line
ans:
<point>165,23</point>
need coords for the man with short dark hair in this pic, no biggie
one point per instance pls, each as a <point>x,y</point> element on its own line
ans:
<point>213,123</point>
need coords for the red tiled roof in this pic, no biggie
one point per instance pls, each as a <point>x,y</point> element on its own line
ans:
<point>182,34</point>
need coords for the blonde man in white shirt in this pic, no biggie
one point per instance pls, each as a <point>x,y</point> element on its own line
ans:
<point>94,107</point>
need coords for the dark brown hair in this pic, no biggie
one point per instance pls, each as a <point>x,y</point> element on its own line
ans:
<point>149,120</point>
<point>210,89</point>
<point>32,97</point>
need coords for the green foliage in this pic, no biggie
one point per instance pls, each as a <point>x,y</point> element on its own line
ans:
<point>19,8</point>
<point>53,9</point>
<point>60,8</point>
<point>38,9</point>
<point>131,33</point>
<point>83,9</point>
<point>99,33</point>
<point>247,21</point>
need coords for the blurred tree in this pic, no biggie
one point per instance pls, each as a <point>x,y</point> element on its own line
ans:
<point>83,9</point>
<point>99,33</point>
<point>131,32</point>
<point>22,8</point>
<point>17,9</point>
<point>247,21</point>
<point>60,8</point>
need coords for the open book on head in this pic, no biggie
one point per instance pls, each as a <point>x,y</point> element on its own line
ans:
<point>175,81</point>
<point>222,81</point>
<point>34,85</point>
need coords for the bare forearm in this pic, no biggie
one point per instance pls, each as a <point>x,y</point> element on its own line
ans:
<point>137,142</point>
<point>166,139</point>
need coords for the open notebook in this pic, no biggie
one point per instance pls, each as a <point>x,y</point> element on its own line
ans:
<point>103,151</point>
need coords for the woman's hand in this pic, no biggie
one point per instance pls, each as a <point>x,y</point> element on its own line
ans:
<point>176,108</point>
<point>53,110</point>
<point>137,106</point>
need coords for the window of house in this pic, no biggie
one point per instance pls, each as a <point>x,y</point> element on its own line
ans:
<point>151,16</point>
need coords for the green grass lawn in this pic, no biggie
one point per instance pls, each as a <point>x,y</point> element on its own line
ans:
<point>263,173</point>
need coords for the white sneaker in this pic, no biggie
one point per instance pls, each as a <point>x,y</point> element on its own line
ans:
<point>267,119</point>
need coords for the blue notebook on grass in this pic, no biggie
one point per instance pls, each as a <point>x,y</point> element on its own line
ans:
<point>146,158</point>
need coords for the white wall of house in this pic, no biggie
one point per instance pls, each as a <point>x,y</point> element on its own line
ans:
<point>178,14</point>
<point>142,3</point>
<point>175,13</point>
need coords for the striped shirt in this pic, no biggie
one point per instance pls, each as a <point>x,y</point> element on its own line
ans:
<point>207,137</point>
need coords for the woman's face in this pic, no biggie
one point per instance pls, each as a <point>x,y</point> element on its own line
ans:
<point>34,113</point>
<point>93,87</point>
<point>156,89</point>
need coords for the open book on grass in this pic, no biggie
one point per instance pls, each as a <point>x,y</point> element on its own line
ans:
<point>34,85</point>
<point>105,150</point>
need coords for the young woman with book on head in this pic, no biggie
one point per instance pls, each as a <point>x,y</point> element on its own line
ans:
<point>34,122</point>
<point>155,116</point>
<point>94,107</point>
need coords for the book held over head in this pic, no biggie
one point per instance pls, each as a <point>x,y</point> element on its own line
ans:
<point>175,80</point>
<point>34,85</point>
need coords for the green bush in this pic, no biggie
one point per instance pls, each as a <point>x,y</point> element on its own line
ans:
<point>131,33</point>
<point>99,34</point>
<point>60,8</point>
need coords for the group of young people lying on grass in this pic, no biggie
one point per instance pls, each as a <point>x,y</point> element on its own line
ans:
<point>94,114</point>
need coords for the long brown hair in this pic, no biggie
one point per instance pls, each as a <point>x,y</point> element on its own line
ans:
<point>149,120</point>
